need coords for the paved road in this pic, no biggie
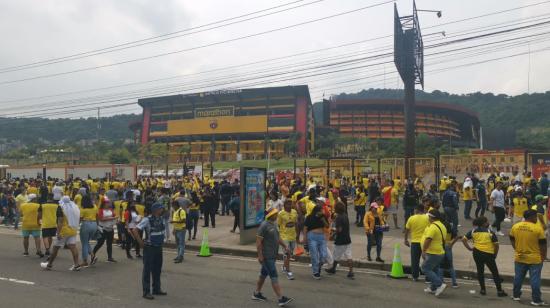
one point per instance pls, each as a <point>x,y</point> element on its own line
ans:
<point>219,281</point>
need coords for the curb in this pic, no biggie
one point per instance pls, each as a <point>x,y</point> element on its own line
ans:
<point>461,274</point>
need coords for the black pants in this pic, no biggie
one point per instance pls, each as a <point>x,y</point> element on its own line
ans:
<point>210,215</point>
<point>130,242</point>
<point>193,222</point>
<point>152,266</point>
<point>481,208</point>
<point>106,236</point>
<point>236,221</point>
<point>499,217</point>
<point>416,254</point>
<point>482,258</point>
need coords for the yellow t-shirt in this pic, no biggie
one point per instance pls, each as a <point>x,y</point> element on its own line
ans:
<point>287,224</point>
<point>49,217</point>
<point>520,206</point>
<point>416,226</point>
<point>294,197</point>
<point>361,200</point>
<point>527,236</point>
<point>310,205</point>
<point>140,209</point>
<point>29,211</point>
<point>526,181</point>
<point>483,239</point>
<point>116,206</point>
<point>179,217</point>
<point>467,194</point>
<point>66,230</point>
<point>78,200</point>
<point>32,190</point>
<point>88,214</point>
<point>433,232</point>
<point>94,187</point>
<point>21,198</point>
<point>123,206</point>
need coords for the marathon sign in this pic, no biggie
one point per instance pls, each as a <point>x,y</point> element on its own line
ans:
<point>224,111</point>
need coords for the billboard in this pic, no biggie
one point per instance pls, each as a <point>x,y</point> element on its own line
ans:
<point>540,163</point>
<point>253,196</point>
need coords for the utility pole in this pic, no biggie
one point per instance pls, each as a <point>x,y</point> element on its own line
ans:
<point>97,132</point>
<point>409,61</point>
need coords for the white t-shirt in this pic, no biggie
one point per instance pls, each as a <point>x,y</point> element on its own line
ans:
<point>498,197</point>
<point>135,220</point>
<point>278,204</point>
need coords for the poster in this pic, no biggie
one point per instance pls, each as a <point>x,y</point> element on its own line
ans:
<point>540,163</point>
<point>253,180</point>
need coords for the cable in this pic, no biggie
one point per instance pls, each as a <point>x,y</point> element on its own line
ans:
<point>155,38</point>
<point>197,47</point>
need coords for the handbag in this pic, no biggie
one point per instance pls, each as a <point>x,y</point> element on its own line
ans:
<point>382,228</point>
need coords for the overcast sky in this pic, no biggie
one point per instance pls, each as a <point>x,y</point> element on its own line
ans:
<point>41,30</point>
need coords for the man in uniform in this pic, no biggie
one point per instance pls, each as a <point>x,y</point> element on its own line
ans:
<point>154,228</point>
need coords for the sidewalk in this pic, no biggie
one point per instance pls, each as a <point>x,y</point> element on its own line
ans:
<point>222,241</point>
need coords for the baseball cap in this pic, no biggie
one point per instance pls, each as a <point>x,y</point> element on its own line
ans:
<point>374,205</point>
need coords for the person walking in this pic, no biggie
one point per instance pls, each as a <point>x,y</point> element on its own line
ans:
<point>315,238</point>
<point>47,216</point>
<point>342,241</point>
<point>415,227</point>
<point>529,243</point>
<point>374,223</point>
<point>28,211</point>
<point>485,252</point>
<point>287,222</point>
<point>88,227</point>
<point>178,222</point>
<point>450,205</point>
<point>267,247</point>
<point>410,201</point>
<point>106,218</point>
<point>154,231</point>
<point>68,219</point>
<point>131,218</point>
<point>481,197</point>
<point>497,207</point>
<point>193,216</point>
<point>235,206</point>
<point>433,252</point>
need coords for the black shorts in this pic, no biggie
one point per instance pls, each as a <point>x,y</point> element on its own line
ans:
<point>49,232</point>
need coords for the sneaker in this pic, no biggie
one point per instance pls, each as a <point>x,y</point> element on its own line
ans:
<point>351,276</point>
<point>74,268</point>
<point>501,293</point>
<point>516,299</point>
<point>284,300</point>
<point>290,276</point>
<point>283,270</point>
<point>455,286</point>
<point>330,271</point>
<point>379,260</point>
<point>440,290</point>
<point>25,254</point>
<point>429,290</point>
<point>94,260</point>
<point>84,265</point>
<point>316,276</point>
<point>539,304</point>
<point>258,296</point>
<point>500,233</point>
<point>46,266</point>
<point>40,254</point>
<point>507,220</point>
<point>111,260</point>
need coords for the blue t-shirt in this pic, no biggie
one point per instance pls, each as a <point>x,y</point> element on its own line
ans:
<point>153,228</point>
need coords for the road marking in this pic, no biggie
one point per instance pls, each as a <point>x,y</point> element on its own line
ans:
<point>17,281</point>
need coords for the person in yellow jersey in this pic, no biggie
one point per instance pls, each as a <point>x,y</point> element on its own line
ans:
<point>415,227</point>
<point>359,203</point>
<point>540,202</point>
<point>20,199</point>
<point>433,252</point>
<point>179,218</point>
<point>468,197</point>
<point>309,200</point>
<point>47,216</point>
<point>485,252</point>
<point>526,180</point>
<point>529,242</point>
<point>31,225</point>
<point>88,227</point>
<point>68,220</point>
<point>520,205</point>
<point>287,220</point>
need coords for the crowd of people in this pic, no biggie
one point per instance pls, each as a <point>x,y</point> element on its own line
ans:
<point>302,216</point>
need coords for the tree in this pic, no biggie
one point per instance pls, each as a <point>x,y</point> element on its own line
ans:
<point>119,156</point>
<point>291,146</point>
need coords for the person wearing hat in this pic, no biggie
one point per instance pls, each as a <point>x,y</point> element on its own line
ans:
<point>153,227</point>
<point>28,211</point>
<point>433,252</point>
<point>267,247</point>
<point>374,221</point>
<point>529,243</point>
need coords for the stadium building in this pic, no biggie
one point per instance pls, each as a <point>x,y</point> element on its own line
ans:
<point>231,124</point>
<point>384,119</point>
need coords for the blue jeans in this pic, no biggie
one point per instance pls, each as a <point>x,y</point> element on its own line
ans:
<point>409,211</point>
<point>180,241</point>
<point>269,269</point>
<point>520,270</point>
<point>16,218</point>
<point>416,254</point>
<point>375,239</point>
<point>87,233</point>
<point>317,250</point>
<point>452,217</point>
<point>452,272</point>
<point>430,267</point>
<point>467,208</point>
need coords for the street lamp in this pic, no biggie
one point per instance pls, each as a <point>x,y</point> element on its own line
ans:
<point>439,13</point>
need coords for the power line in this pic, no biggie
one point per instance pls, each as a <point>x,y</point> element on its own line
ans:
<point>198,47</point>
<point>155,39</point>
